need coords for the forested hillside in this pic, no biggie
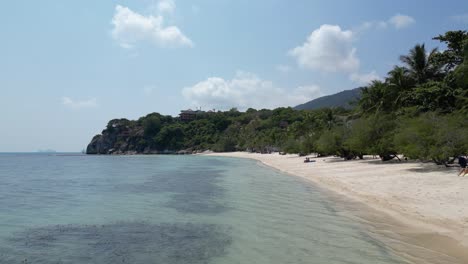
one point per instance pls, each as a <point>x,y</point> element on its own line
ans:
<point>346,99</point>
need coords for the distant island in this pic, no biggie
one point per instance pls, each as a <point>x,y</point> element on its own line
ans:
<point>419,110</point>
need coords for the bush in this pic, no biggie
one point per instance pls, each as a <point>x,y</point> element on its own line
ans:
<point>433,137</point>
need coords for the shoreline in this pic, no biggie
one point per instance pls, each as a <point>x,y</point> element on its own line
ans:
<point>422,203</point>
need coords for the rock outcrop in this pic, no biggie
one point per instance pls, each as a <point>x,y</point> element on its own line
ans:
<point>124,137</point>
<point>120,137</point>
<point>100,144</point>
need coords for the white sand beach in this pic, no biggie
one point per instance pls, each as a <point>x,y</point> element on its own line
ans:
<point>425,197</point>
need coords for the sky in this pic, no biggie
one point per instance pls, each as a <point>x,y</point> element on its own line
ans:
<point>68,67</point>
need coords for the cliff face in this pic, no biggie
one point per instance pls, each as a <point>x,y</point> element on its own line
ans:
<point>118,138</point>
<point>100,144</point>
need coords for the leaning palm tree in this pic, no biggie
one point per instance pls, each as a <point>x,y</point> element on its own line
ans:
<point>420,64</point>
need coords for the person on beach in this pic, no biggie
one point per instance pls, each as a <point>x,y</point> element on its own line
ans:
<point>462,162</point>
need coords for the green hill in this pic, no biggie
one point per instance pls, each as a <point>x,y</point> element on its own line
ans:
<point>342,99</point>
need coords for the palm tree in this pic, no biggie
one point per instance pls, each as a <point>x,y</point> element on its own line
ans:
<point>420,64</point>
<point>399,82</point>
<point>399,77</point>
<point>374,97</point>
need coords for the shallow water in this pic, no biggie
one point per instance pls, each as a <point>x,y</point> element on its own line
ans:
<point>170,209</point>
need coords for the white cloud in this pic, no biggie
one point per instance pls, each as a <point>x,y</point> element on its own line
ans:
<point>246,90</point>
<point>462,18</point>
<point>130,27</point>
<point>364,78</point>
<point>79,104</point>
<point>401,21</point>
<point>328,49</point>
<point>397,21</point>
<point>166,6</point>
<point>331,49</point>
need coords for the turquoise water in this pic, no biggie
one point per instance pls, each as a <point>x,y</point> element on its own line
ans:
<point>170,209</point>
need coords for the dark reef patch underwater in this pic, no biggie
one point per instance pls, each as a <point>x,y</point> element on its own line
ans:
<point>195,190</point>
<point>124,242</point>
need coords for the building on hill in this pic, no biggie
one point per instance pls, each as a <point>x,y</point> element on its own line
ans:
<point>189,115</point>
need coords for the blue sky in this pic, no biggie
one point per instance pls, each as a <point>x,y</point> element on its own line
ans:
<point>67,67</point>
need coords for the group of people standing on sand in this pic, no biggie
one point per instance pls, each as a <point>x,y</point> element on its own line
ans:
<point>462,162</point>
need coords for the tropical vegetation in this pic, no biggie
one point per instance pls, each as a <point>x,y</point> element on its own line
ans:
<point>420,110</point>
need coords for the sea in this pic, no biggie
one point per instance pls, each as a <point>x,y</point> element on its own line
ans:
<point>73,208</point>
